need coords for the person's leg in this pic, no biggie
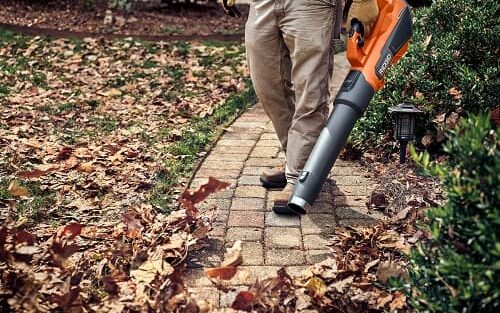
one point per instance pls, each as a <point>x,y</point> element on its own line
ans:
<point>307,27</point>
<point>269,63</point>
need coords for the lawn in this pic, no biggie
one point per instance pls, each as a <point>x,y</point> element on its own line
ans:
<point>91,128</point>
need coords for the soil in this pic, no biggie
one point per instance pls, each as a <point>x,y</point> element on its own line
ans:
<point>152,18</point>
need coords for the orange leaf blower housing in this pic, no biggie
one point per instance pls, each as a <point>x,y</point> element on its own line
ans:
<point>384,46</point>
<point>370,58</point>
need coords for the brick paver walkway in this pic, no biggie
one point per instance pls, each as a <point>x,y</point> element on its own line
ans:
<point>270,241</point>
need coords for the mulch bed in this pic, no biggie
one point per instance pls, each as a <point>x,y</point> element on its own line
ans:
<point>152,18</point>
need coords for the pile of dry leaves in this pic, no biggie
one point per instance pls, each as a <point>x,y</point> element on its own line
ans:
<point>132,268</point>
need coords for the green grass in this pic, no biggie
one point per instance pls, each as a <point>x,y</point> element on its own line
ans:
<point>196,137</point>
<point>33,207</point>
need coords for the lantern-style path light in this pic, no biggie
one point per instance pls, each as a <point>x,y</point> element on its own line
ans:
<point>405,116</point>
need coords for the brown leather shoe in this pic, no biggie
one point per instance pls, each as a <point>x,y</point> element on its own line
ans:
<point>280,205</point>
<point>273,178</point>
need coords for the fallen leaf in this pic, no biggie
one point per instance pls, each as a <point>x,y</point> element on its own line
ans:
<point>371,264</point>
<point>133,224</point>
<point>70,231</point>
<point>399,301</point>
<point>86,167</point>
<point>38,172</point>
<point>455,93</point>
<point>17,190</point>
<point>243,301</point>
<point>224,273</point>
<point>438,119</point>
<point>382,301</point>
<point>341,285</point>
<point>148,270</point>
<point>190,198</point>
<point>427,140</point>
<point>388,269</point>
<point>316,285</point>
<point>233,256</point>
<point>378,200</point>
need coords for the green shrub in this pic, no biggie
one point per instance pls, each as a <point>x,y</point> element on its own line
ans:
<point>458,268</point>
<point>452,66</point>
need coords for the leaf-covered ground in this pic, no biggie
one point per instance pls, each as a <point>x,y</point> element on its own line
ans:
<point>93,127</point>
<point>144,17</point>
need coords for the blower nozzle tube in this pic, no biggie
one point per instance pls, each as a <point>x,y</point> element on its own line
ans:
<point>350,103</point>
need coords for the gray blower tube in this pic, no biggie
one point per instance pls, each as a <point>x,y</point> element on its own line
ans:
<point>351,102</point>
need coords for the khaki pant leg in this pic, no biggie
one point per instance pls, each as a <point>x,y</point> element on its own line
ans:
<point>270,65</point>
<point>307,27</point>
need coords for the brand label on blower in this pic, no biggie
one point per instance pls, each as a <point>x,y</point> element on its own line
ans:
<point>383,67</point>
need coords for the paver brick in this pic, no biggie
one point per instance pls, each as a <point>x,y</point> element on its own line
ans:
<point>247,219</point>
<point>316,242</point>
<point>350,191</point>
<point>249,124</point>
<point>316,256</point>
<point>205,295</point>
<point>357,213</point>
<point>217,173</point>
<point>243,234</point>
<point>220,204</point>
<point>222,157</point>
<point>347,171</point>
<point>355,201</point>
<point>233,150</point>
<point>357,222</point>
<point>247,204</point>
<point>269,136</point>
<point>250,192</point>
<point>269,143</point>
<point>236,142</point>
<point>264,162</point>
<point>350,181</point>
<point>252,253</point>
<point>195,183</point>
<point>254,170</point>
<point>245,135</point>
<point>318,223</point>
<point>285,257</point>
<point>249,180</point>
<point>265,152</point>
<point>218,229</point>
<point>273,219</point>
<point>282,237</point>
<point>228,165</point>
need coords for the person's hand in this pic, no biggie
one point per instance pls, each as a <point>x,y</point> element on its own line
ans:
<point>230,8</point>
<point>364,11</point>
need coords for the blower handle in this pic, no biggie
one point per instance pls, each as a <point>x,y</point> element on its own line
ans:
<point>357,33</point>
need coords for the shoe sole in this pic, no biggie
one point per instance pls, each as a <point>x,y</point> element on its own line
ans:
<point>269,184</point>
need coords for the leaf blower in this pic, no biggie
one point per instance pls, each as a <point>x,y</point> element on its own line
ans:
<point>370,58</point>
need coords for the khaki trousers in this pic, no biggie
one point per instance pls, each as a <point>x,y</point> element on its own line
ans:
<point>289,46</point>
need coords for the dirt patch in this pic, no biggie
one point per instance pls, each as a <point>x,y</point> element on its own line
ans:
<point>153,18</point>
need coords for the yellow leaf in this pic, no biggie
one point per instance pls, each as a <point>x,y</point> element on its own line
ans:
<point>16,190</point>
<point>316,285</point>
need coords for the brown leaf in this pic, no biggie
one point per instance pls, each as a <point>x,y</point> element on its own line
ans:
<point>133,223</point>
<point>382,301</point>
<point>427,140</point>
<point>190,198</point>
<point>387,270</point>
<point>38,172</point>
<point>451,120</point>
<point>17,190</point>
<point>148,270</point>
<point>341,285</point>
<point>439,118</point>
<point>495,116</point>
<point>64,153</point>
<point>378,200</point>
<point>399,301</point>
<point>70,231</point>
<point>243,301</point>
<point>86,167</point>
<point>224,273</point>
<point>455,93</point>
